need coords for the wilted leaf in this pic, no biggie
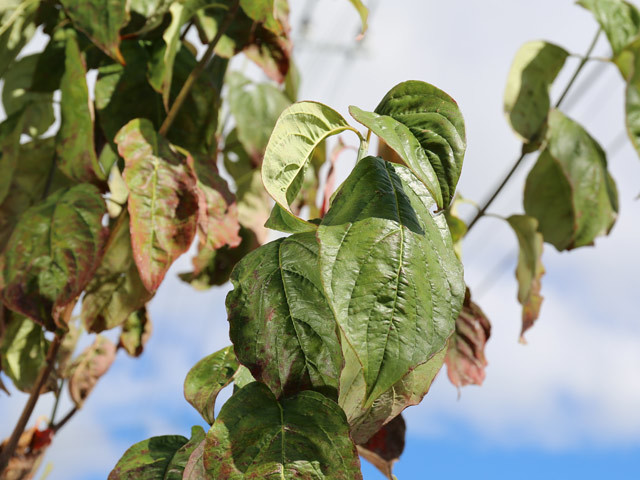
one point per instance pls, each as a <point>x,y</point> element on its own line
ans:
<point>257,436</point>
<point>67,349</point>
<point>385,447</point>
<point>289,150</point>
<point>36,107</point>
<point>23,351</point>
<point>101,21</point>
<point>207,378</point>
<point>526,97</point>
<point>87,369</point>
<point>435,120</point>
<point>620,21</point>
<point>256,108</point>
<point>530,269</point>
<point>280,322</point>
<point>136,331</point>
<point>149,459</point>
<point>116,290</point>
<point>399,287</point>
<point>162,200</point>
<point>398,136</point>
<point>52,254</point>
<point>569,190</point>
<point>17,28</point>
<point>74,145</point>
<point>465,357</point>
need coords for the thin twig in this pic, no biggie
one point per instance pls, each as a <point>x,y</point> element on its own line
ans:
<point>519,160</point>
<point>8,451</point>
<point>57,402</point>
<point>65,419</point>
<point>199,68</point>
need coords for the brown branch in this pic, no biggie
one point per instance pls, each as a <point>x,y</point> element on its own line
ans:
<point>66,418</point>
<point>199,68</point>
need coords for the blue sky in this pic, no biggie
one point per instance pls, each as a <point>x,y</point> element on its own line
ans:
<point>567,405</point>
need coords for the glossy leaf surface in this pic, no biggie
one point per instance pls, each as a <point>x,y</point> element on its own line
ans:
<point>465,359</point>
<point>569,190</point>
<point>162,200</point>
<point>301,437</point>
<point>149,459</point>
<point>280,322</point>
<point>529,270</point>
<point>298,131</point>
<point>389,272</point>
<point>207,378</point>
<point>526,97</point>
<point>436,122</point>
<point>53,252</point>
<point>87,369</point>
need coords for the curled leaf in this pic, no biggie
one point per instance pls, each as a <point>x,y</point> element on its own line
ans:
<point>87,369</point>
<point>150,459</point>
<point>136,331</point>
<point>385,447</point>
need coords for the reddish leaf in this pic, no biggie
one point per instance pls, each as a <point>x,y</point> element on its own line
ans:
<point>89,367</point>
<point>465,357</point>
<point>385,447</point>
<point>162,200</point>
<point>53,253</point>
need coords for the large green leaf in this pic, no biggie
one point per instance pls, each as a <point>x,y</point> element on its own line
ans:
<point>101,21</point>
<point>150,459</point>
<point>162,200</point>
<point>17,28</point>
<point>436,122</point>
<point>301,437</point>
<point>526,97</point>
<point>465,356</point>
<point>280,322</point>
<point>529,270</point>
<point>207,378</point>
<point>389,271</point>
<point>398,136</point>
<point>569,190</point>
<point>27,183</point>
<point>75,142</point>
<point>17,96</point>
<point>620,21</point>
<point>255,108</point>
<point>116,291</point>
<point>86,370</point>
<point>297,133</point>
<point>53,252</point>
<point>23,351</point>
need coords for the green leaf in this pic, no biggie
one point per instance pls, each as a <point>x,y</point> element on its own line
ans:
<point>457,226</point>
<point>16,29</point>
<point>465,356</point>
<point>280,220</point>
<point>257,436</point>
<point>363,12</point>
<point>75,145</point>
<point>529,270</point>
<point>153,11</point>
<point>177,467</point>
<point>569,190</point>
<point>194,469</point>
<point>526,97</point>
<point>620,21</point>
<point>101,21</point>
<point>23,351</point>
<point>242,378</point>
<point>162,200</point>
<point>207,378</point>
<point>116,291</point>
<point>298,131</point>
<point>408,391</point>
<point>256,108</point>
<point>136,331</point>
<point>389,272</point>
<point>87,369</point>
<point>632,97</point>
<point>398,136</point>
<point>149,459</point>
<point>27,183</point>
<point>385,447</point>
<point>266,12</point>
<point>280,322</point>
<point>435,120</point>
<point>10,131</point>
<point>53,253</point>
<point>36,107</point>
